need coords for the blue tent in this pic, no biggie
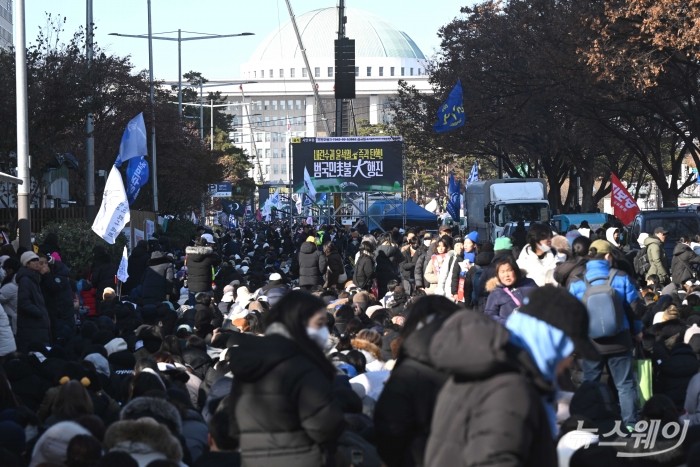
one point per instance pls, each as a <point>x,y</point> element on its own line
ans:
<point>416,216</point>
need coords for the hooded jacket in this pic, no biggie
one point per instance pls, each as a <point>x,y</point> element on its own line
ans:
<point>538,269</point>
<point>683,257</point>
<point>364,271</point>
<point>610,236</point>
<point>657,258</point>
<point>283,408</point>
<point>145,440</point>
<point>200,263</point>
<point>312,265</point>
<point>622,342</point>
<point>490,411</point>
<point>33,324</point>
<point>405,408</point>
<point>8,300</point>
<point>692,401</point>
<point>157,279</point>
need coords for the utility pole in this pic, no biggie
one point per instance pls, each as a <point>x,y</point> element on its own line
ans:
<point>153,110</point>
<point>89,124</point>
<point>339,102</point>
<point>23,188</point>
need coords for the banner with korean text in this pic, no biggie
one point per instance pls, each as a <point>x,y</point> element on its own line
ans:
<point>624,206</point>
<point>349,164</point>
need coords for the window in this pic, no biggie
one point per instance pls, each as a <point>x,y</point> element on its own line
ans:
<point>275,170</point>
<point>258,139</point>
<point>275,153</point>
<point>357,71</point>
<point>291,72</point>
<point>381,71</point>
<point>267,153</point>
<point>391,71</point>
<point>282,103</point>
<point>262,73</point>
<point>290,104</point>
<point>298,104</point>
<point>283,170</point>
<point>274,105</point>
<point>258,105</point>
<point>420,71</point>
<point>283,153</point>
<point>255,74</point>
<point>317,72</point>
<point>330,71</point>
<point>274,138</point>
<point>266,105</point>
<point>270,73</point>
<point>267,139</point>
<point>267,121</point>
<point>369,71</point>
<point>267,169</point>
<point>411,71</point>
<point>403,71</point>
<point>303,73</point>
<point>281,72</point>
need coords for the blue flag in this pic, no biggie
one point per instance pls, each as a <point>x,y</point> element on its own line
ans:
<point>136,177</point>
<point>473,174</point>
<point>133,142</point>
<point>451,115</point>
<point>453,201</point>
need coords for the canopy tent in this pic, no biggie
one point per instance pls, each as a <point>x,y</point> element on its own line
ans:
<point>416,216</point>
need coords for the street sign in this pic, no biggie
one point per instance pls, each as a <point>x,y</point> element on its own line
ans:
<point>220,190</point>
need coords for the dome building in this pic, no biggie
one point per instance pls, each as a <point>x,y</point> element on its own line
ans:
<point>279,100</point>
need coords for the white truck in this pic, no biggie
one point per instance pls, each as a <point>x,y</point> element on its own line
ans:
<point>491,204</point>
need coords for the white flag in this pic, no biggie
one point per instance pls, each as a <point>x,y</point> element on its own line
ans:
<point>308,184</point>
<point>122,272</point>
<point>114,211</point>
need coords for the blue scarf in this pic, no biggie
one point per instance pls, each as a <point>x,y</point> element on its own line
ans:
<point>547,345</point>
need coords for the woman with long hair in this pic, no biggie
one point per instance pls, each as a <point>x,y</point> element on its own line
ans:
<point>432,270</point>
<point>334,265</point>
<point>282,403</point>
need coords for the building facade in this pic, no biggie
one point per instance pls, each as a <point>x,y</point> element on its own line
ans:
<point>278,101</point>
<point>5,24</point>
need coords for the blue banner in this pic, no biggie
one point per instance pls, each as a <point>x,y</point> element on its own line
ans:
<point>133,143</point>
<point>450,115</point>
<point>453,202</point>
<point>136,176</point>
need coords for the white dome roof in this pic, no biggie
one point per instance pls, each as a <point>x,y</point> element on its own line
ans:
<point>374,38</point>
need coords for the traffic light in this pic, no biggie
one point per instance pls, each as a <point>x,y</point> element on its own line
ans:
<point>345,68</point>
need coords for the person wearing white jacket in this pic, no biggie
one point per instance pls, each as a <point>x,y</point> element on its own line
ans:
<point>537,259</point>
<point>7,338</point>
<point>8,291</point>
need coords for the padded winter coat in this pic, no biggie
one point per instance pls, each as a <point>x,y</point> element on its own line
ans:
<point>312,265</point>
<point>657,258</point>
<point>283,408</point>
<point>33,324</point>
<point>681,263</point>
<point>500,304</point>
<point>158,279</point>
<point>364,272</point>
<point>200,263</point>
<point>490,411</point>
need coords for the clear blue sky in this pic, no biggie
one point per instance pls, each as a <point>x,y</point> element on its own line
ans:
<point>221,58</point>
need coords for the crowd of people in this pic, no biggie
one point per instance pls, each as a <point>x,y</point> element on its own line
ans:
<point>278,345</point>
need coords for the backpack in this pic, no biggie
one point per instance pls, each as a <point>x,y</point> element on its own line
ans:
<point>604,306</point>
<point>476,283</point>
<point>641,262</point>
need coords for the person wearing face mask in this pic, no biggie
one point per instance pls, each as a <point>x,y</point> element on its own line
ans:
<point>538,259</point>
<point>283,408</point>
<point>422,260</point>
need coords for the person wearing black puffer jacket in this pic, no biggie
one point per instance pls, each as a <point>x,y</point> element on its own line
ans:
<point>405,408</point>
<point>282,406</point>
<point>312,265</point>
<point>200,260</point>
<point>33,323</point>
<point>158,279</point>
<point>683,260</point>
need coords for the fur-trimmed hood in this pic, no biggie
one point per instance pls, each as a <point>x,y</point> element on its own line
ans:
<point>144,439</point>
<point>198,250</point>
<point>491,284</point>
<point>367,346</point>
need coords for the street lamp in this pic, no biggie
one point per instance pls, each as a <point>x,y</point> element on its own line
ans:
<point>180,39</point>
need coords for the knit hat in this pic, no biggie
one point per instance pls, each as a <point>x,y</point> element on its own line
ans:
<point>159,409</point>
<point>27,256</point>
<point>502,243</point>
<point>559,308</point>
<point>473,236</point>
<point>52,446</point>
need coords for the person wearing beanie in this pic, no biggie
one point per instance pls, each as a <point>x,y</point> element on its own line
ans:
<point>200,260</point>
<point>616,350</point>
<point>470,246</point>
<point>500,399</point>
<point>312,265</point>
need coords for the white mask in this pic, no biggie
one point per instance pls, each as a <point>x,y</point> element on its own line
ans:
<point>426,242</point>
<point>319,336</point>
<point>545,248</point>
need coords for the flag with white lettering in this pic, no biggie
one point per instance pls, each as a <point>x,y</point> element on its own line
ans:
<point>114,212</point>
<point>136,177</point>
<point>624,206</point>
